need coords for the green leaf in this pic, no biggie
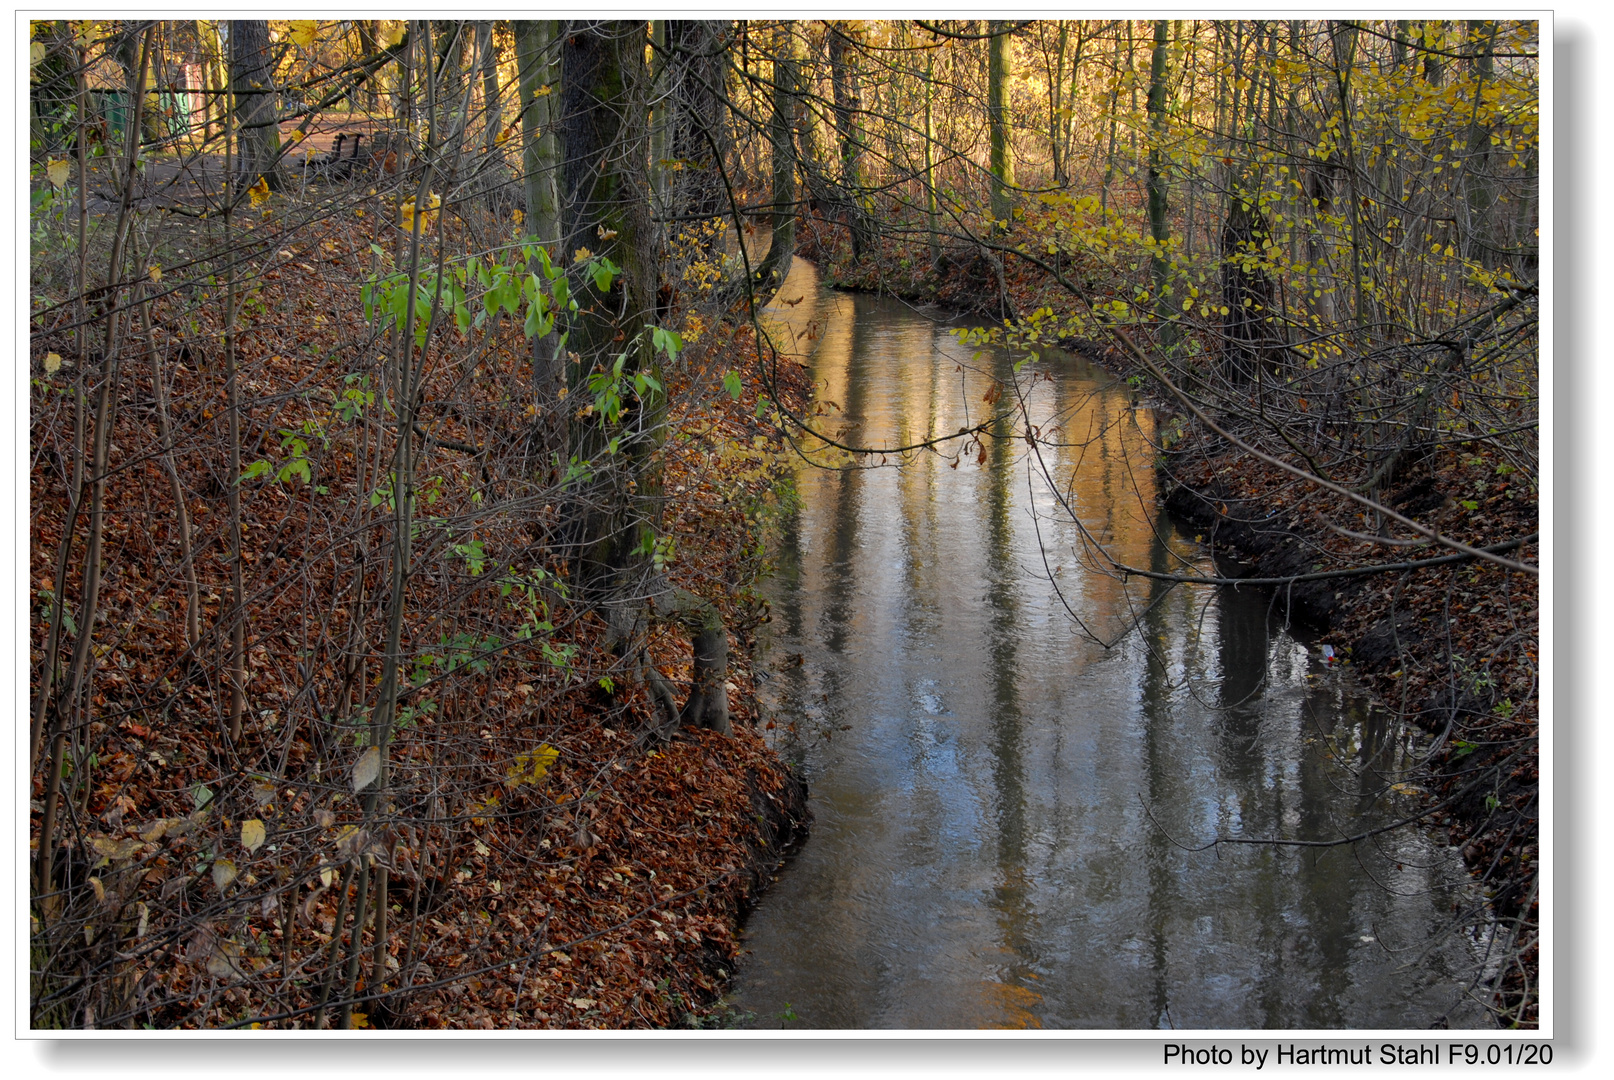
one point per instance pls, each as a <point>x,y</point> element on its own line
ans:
<point>667,341</point>
<point>732,383</point>
<point>255,470</point>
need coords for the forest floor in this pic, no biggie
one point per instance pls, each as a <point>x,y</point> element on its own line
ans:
<point>1451,648</point>
<point>604,893</point>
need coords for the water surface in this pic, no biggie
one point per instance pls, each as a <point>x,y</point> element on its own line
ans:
<point>1002,805</point>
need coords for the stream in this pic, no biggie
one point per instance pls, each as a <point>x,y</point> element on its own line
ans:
<point>1004,809</point>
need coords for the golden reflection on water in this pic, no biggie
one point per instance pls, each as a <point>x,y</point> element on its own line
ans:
<point>1012,1004</point>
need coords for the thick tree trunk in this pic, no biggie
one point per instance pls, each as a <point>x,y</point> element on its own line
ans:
<point>604,123</point>
<point>252,87</point>
<point>1248,341</point>
<point>697,134</point>
<point>775,265</point>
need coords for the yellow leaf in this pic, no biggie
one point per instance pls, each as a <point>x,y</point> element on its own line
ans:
<point>391,34</point>
<point>252,834</point>
<point>156,272</point>
<point>303,32</point>
<point>367,768</point>
<point>57,172</point>
<point>115,849</point>
<point>259,191</point>
<point>224,872</point>
<point>406,213</point>
<point>360,1020</point>
<point>531,767</point>
<point>53,363</point>
<point>517,215</point>
<point>583,255</point>
<point>36,53</point>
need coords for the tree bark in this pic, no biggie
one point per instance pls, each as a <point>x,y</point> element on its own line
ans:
<point>605,131</point>
<point>999,70</point>
<point>1158,228</point>
<point>697,135</point>
<point>252,87</point>
<point>775,266</point>
<point>848,106</point>
<point>538,76</point>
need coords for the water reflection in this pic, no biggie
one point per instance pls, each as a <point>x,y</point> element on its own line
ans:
<point>1003,807</point>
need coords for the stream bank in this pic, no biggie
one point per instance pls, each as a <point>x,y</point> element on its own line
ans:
<point>1450,647</point>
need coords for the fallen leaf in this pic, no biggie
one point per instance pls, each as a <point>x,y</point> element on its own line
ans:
<point>53,363</point>
<point>57,173</point>
<point>367,768</point>
<point>114,849</point>
<point>252,834</point>
<point>224,872</point>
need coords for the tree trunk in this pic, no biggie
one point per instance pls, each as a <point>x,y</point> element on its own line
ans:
<point>1479,191</point>
<point>848,105</point>
<point>1248,343</point>
<point>775,265</point>
<point>932,215</point>
<point>697,136</point>
<point>369,95</point>
<point>252,86</point>
<point>538,76</point>
<point>447,124</point>
<point>1160,268</point>
<point>999,70</point>
<point>604,124</point>
<point>491,174</point>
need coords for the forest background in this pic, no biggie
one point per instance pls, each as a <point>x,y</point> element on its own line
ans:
<point>1154,234</point>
